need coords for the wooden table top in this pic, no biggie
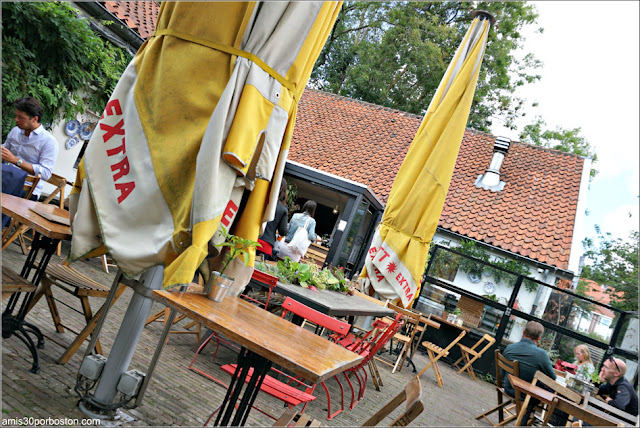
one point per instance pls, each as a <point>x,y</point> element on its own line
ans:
<point>331,303</point>
<point>531,389</point>
<point>19,209</point>
<point>278,340</point>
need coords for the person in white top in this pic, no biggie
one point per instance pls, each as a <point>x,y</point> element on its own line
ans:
<point>29,146</point>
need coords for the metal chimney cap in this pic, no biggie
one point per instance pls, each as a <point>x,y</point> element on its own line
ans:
<point>502,144</point>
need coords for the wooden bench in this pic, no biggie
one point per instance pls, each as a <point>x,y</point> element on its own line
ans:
<point>316,254</point>
<point>12,282</point>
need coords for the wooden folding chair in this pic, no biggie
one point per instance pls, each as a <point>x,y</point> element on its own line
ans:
<point>505,401</point>
<point>404,338</point>
<point>163,315</point>
<point>435,352</point>
<point>469,355</point>
<point>560,390</point>
<point>29,186</point>
<point>411,394</point>
<point>580,413</point>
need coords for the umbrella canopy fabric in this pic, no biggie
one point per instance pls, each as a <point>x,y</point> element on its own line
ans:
<point>398,252</point>
<point>207,109</point>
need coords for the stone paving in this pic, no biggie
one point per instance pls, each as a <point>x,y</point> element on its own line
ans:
<point>179,397</point>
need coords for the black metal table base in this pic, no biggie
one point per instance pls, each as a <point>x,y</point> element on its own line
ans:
<point>248,363</point>
<point>15,325</point>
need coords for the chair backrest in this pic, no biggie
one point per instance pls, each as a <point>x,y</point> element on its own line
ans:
<point>490,341</point>
<point>572,409</point>
<point>30,184</point>
<point>510,367</point>
<point>456,340</point>
<point>60,184</point>
<point>540,377</point>
<point>371,347</point>
<point>472,311</point>
<point>412,319</point>
<point>318,318</point>
<point>412,393</point>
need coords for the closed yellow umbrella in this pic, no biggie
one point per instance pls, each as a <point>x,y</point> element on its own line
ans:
<point>396,259</point>
<point>202,117</point>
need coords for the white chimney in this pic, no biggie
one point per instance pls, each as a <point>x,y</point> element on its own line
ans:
<point>491,178</point>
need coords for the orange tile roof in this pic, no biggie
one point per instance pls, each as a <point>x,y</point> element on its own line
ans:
<point>534,215</point>
<point>599,293</point>
<point>138,15</point>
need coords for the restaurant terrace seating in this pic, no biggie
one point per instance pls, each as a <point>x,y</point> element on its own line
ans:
<point>592,402</point>
<point>30,183</point>
<point>436,352</point>
<point>469,355</point>
<point>506,403</point>
<point>580,413</point>
<point>403,338</point>
<point>59,184</point>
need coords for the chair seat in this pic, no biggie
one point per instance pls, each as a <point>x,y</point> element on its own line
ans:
<point>467,349</point>
<point>435,348</point>
<point>12,282</point>
<point>84,285</point>
<point>275,388</point>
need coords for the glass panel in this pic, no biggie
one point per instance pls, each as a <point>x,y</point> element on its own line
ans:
<point>566,310</point>
<point>632,367</point>
<point>628,338</point>
<point>355,236</point>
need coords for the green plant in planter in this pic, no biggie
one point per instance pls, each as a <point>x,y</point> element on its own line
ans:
<point>238,247</point>
<point>457,312</point>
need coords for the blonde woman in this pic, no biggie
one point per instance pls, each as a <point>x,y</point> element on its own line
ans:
<point>583,361</point>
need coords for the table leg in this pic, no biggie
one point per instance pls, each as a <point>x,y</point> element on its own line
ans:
<point>248,362</point>
<point>15,325</point>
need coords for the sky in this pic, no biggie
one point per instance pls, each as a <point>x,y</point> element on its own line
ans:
<point>590,80</point>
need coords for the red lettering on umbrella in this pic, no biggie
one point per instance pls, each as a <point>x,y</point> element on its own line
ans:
<point>385,254</point>
<point>112,130</point>
<point>122,167</point>
<point>114,105</point>
<point>378,274</point>
<point>117,150</point>
<point>228,214</point>
<point>125,189</point>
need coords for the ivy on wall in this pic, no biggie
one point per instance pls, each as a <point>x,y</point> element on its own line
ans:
<point>50,52</point>
<point>446,264</point>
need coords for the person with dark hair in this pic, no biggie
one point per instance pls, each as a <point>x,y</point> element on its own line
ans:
<point>280,223</point>
<point>29,146</point>
<point>304,219</point>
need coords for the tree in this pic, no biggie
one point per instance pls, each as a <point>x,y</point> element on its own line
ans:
<point>565,140</point>
<point>395,54</point>
<point>51,53</point>
<point>615,264</point>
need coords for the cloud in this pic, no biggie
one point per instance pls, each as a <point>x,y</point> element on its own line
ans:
<point>621,221</point>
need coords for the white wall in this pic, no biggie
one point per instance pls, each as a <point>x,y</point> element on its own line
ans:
<point>66,158</point>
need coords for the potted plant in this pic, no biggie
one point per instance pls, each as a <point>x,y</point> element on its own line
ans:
<point>231,248</point>
<point>453,317</point>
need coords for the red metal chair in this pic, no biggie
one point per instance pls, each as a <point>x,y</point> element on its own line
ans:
<point>368,346</point>
<point>337,330</point>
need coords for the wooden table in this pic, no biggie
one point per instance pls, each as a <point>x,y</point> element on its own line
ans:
<point>330,302</point>
<point>265,339</point>
<point>47,236</point>
<point>532,391</point>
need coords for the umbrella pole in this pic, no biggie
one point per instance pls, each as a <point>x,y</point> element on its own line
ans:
<point>126,340</point>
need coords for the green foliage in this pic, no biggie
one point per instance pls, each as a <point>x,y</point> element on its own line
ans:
<point>238,247</point>
<point>49,52</point>
<point>614,263</point>
<point>395,54</point>
<point>565,140</point>
<point>470,249</point>
<point>306,275</point>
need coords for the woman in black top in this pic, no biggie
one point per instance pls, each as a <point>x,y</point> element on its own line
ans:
<point>279,222</point>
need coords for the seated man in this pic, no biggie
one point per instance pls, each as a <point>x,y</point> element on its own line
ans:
<point>619,390</point>
<point>29,146</point>
<point>531,357</point>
